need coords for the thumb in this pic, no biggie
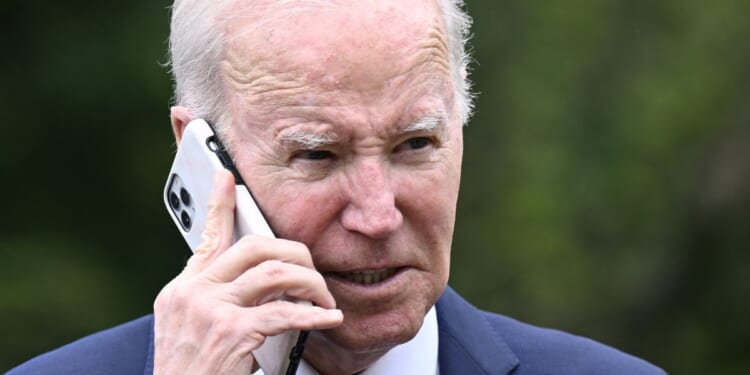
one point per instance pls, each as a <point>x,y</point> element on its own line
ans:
<point>218,232</point>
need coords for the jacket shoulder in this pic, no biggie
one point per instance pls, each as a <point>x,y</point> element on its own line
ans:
<point>544,350</point>
<point>121,350</point>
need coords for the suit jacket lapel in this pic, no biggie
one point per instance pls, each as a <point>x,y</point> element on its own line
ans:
<point>467,342</point>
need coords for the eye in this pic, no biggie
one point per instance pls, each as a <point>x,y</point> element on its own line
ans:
<point>419,142</point>
<point>415,143</point>
<point>314,155</point>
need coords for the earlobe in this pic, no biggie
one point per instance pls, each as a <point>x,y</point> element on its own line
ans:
<point>180,117</point>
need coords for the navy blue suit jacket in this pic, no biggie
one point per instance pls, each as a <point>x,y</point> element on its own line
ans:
<point>471,341</point>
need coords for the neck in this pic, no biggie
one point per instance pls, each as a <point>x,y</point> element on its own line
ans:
<point>328,358</point>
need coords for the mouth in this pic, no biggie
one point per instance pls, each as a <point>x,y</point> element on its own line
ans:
<point>367,277</point>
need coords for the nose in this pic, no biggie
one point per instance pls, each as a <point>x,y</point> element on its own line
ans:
<point>371,208</point>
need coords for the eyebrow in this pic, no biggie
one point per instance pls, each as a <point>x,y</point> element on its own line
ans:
<point>311,140</point>
<point>430,122</point>
<point>306,139</point>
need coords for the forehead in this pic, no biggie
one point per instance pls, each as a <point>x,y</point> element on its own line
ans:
<point>288,53</point>
<point>310,28</point>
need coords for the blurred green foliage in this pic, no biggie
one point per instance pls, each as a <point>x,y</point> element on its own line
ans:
<point>606,186</point>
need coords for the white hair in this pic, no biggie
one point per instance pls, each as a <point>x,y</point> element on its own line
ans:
<point>196,42</point>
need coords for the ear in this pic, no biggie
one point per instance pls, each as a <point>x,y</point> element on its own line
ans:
<point>180,117</point>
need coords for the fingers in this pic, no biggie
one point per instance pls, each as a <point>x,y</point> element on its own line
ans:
<point>217,234</point>
<point>278,317</point>
<point>253,250</point>
<point>256,269</point>
<point>274,280</point>
<point>230,297</point>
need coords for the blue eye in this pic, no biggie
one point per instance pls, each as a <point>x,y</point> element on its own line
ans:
<point>315,155</point>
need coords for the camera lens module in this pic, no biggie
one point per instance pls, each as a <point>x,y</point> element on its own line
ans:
<point>174,200</point>
<point>187,222</point>
<point>185,196</point>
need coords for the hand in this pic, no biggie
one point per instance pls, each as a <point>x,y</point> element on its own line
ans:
<point>227,299</point>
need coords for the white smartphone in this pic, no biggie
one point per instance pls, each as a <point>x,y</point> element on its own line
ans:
<point>199,155</point>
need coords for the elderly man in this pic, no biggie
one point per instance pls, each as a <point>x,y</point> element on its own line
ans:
<point>345,120</point>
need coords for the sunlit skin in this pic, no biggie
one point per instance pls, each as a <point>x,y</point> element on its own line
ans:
<point>370,82</point>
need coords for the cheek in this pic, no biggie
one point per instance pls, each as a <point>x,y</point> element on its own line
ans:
<point>428,204</point>
<point>429,197</point>
<point>295,210</point>
<point>299,212</point>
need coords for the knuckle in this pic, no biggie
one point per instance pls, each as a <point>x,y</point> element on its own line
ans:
<point>165,299</point>
<point>299,247</point>
<point>214,208</point>
<point>272,269</point>
<point>180,297</point>
<point>160,303</point>
<point>209,242</point>
<point>253,338</point>
<point>278,311</point>
<point>194,259</point>
<point>303,252</point>
<point>300,250</point>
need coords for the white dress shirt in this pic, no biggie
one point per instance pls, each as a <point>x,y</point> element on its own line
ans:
<point>416,356</point>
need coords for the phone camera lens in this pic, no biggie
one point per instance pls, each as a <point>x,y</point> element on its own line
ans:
<point>185,196</point>
<point>212,145</point>
<point>186,221</point>
<point>174,200</point>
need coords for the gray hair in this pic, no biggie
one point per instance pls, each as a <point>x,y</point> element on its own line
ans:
<point>196,44</point>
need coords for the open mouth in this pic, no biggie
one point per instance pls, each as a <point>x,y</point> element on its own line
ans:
<point>367,277</point>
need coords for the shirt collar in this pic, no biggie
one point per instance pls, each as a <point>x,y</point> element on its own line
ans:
<point>416,356</point>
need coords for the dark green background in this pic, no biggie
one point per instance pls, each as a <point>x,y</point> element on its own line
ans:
<point>606,186</point>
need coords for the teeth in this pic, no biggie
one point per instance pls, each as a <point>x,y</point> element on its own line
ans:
<point>370,276</point>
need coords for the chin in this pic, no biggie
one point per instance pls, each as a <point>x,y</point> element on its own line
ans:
<point>360,341</point>
<point>377,332</point>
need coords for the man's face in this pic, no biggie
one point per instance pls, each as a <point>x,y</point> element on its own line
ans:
<point>344,126</point>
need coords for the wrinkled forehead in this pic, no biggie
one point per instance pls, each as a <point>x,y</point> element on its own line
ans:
<point>335,40</point>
